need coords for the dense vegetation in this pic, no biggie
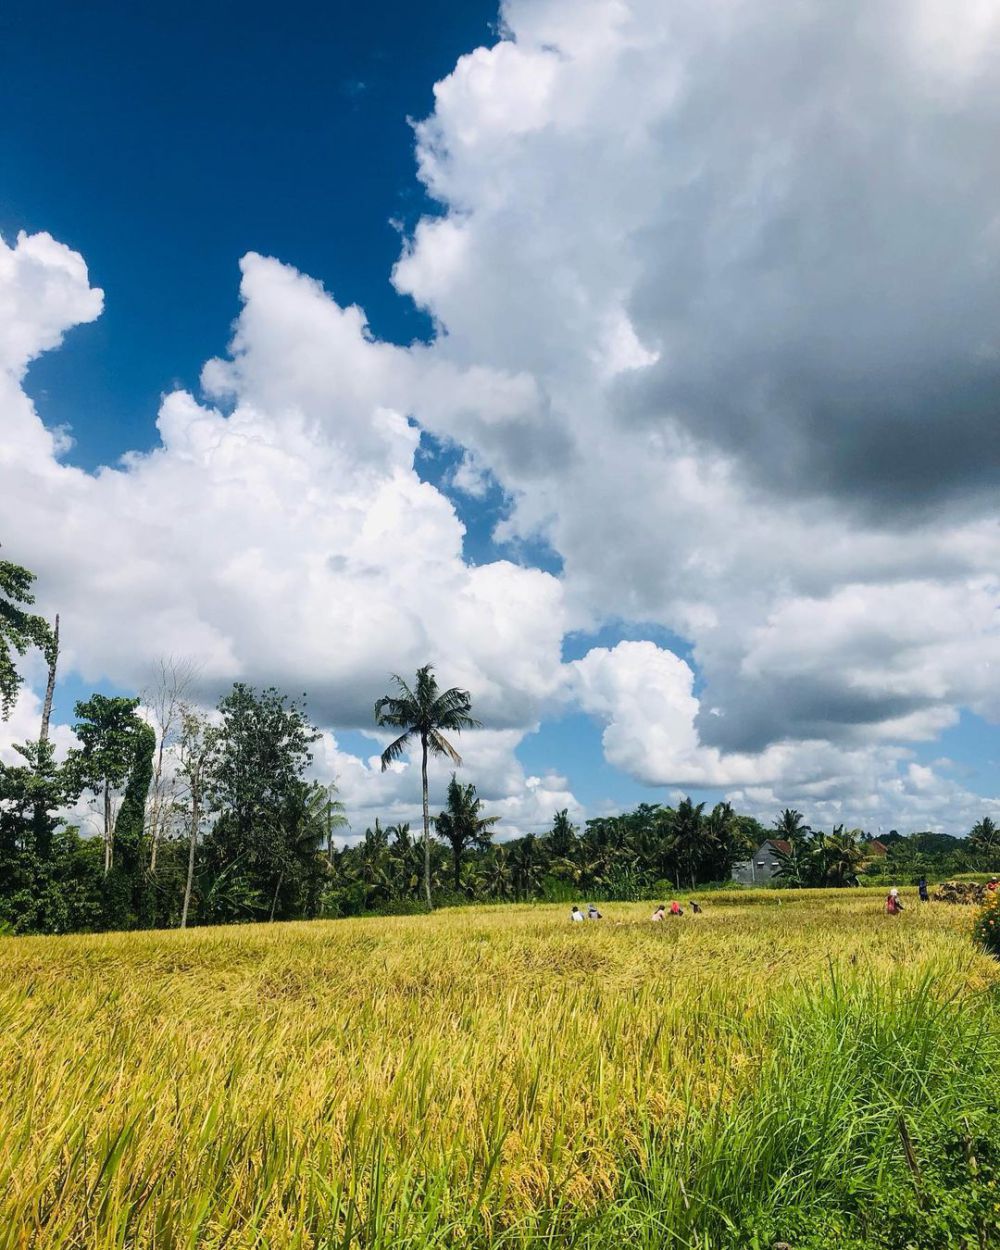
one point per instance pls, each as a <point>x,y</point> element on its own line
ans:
<point>215,819</point>
<point>786,1067</point>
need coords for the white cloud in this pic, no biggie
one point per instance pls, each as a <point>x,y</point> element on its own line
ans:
<point>717,294</point>
<point>23,726</point>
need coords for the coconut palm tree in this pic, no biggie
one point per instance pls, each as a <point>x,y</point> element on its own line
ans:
<point>497,878</point>
<point>690,838</point>
<point>845,857</point>
<point>984,841</point>
<point>423,713</point>
<point>527,867</point>
<point>461,824</point>
<point>324,809</point>
<point>791,827</point>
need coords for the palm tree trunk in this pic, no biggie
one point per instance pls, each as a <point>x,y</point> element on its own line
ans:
<point>456,852</point>
<point>427,825</point>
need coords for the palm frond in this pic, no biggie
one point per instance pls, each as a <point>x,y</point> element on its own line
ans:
<point>451,710</point>
<point>440,745</point>
<point>396,712</point>
<point>395,749</point>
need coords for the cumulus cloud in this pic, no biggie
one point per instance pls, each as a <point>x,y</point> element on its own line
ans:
<point>716,298</point>
<point>280,534</point>
<point>748,255</point>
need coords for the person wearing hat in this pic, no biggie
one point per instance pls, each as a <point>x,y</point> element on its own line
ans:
<point>893,904</point>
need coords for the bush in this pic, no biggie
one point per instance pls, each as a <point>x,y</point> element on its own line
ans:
<point>986,930</point>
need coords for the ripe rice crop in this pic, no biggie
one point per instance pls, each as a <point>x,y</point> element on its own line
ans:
<point>809,1071</point>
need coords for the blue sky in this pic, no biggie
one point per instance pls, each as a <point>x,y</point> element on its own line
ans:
<point>163,150</point>
<point>666,379</point>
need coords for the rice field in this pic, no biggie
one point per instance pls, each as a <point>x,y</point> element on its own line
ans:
<point>784,1067</point>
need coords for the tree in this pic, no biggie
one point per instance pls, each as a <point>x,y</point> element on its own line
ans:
<point>498,878</point>
<point>406,859</point>
<point>31,796</point>
<point>461,825</point>
<point>263,838</point>
<point>109,732</point>
<point>984,842</point>
<point>726,842</point>
<point>790,826</point>
<point>52,661</point>
<point>562,838</point>
<point>326,808</point>
<point>844,857</point>
<point>125,885</point>
<point>422,714</point>
<point>690,838</point>
<point>527,866</point>
<point>19,630</point>
<point>194,760</point>
<point>166,702</point>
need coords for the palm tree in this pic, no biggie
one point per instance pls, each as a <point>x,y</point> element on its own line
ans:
<point>497,878</point>
<point>690,837</point>
<point>845,857</point>
<point>562,838</point>
<point>423,713</point>
<point>327,811</point>
<point>526,866</point>
<point>984,841</point>
<point>461,825</point>
<point>791,827</point>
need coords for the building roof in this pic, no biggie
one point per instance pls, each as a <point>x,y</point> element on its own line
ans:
<point>877,847</point>
<point>779,844</point>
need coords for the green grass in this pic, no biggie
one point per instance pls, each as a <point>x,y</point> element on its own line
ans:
<point>808,1070</point>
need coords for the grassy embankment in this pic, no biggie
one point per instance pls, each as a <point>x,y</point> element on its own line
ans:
<point>810,1071</point>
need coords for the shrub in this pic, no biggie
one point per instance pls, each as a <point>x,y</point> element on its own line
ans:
<point>986,930</point>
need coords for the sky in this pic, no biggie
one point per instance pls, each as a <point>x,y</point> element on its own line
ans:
<point>635,363</point>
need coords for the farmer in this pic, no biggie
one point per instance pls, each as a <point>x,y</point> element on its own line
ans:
<point>922,888</point>
<point>676,909</point>
<point>992,884</point>
<point>593,913</point>
<point>893,904</point>
<point>695,908</point>
<point>658,914</point>
<point>576,915</point>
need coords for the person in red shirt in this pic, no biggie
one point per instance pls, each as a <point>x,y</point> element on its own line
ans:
<point>676,909</point>
<point>893,904</point>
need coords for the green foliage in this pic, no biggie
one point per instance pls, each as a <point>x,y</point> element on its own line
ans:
<point>128,895</point>
<point>986,927</point>
<point>266,839</point>
<point>816,859</point>
<point>19,629</point>
<point>460,824</point>
<point>424,714</point>
<point>109,731</point>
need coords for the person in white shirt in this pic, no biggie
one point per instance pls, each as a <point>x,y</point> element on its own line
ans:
<point>576,913</point>
<point>658,914</point>
<point>593,913</point>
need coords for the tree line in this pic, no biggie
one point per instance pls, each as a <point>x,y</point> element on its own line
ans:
<point>215,818</point>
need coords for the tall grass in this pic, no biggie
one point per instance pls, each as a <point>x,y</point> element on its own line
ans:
<point>496,1078</point>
